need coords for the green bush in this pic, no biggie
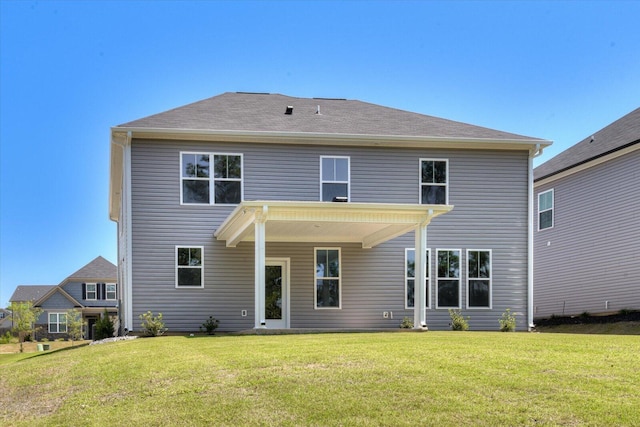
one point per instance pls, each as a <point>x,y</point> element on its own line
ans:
<point>507,321</point>
<point>6,338</point>
<point>407,323</point>
<point>210,325</point>
<point>104,327</point>
<point>458,322</point>
<point>152,326</point>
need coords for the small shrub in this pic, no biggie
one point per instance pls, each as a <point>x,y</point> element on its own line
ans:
<point>458,322</point>
<point>44,339</point>
<point>585,315</point>
<point>210,325</point>
<point>507,321</point>
<point>152,326</point>
<point>7,338</point>
<point>407,323</point>
<point>625,312</point>
<point>104,327</point>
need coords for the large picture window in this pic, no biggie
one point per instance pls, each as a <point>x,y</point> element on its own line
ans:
<point>434,178</point>
<point>448,288</point>
<point>327,294</point>
<point>545,210</point>
<point>200,186</point>
<point>478,278</point>
<point>57,323</point>
<point>410,269</point>
<point>334,178</point>
<point>189,267</point>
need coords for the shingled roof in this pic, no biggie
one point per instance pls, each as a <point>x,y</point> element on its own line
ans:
<point>33,293</point>
<point>251,112</point>
<point>620,134</point>
<point>98,269</point>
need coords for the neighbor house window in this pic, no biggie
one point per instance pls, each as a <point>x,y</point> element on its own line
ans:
<point>478,278</point>
<point>91,291</point>
<point>334,178</point>
<point>327,293</point>
<point>110,291</point>
<point>410,268</point>
<point>200,186</point>
<point>189,267</point>
<point>448,282</point>
<point>545,210</point>
<point>434,176</point>
<point>57,323</point>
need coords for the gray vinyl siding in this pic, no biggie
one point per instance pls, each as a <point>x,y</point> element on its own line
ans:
<point>74,289</point>
<point>488,189</point>
<point>591,255</point>
<point>56,303</point>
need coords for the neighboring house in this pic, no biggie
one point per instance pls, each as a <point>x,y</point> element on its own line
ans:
<point>90,290</point>
<point>5,321</point>
<point>587,237</point>
<point>265,210</point>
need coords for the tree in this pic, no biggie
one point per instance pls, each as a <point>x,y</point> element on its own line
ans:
<point>24,316</point>
<point>104,327</point>
<point>74,325</point>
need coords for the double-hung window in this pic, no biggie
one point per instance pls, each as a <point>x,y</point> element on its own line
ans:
<point>57,323</point>
<point>110,291</point>
<point>478,278</point>
<point>189,267</point>
<point>91,292</point>
<point>448,281</point>
<point>334,178</point>
<point>434,178</point>
<point>200,186</point>
<point>545,210</point>
<point>410,269</point>
<point>327,292</point>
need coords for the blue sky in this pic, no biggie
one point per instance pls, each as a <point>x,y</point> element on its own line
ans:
<point>71,70</point>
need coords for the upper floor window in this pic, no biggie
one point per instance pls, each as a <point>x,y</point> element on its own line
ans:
<point>99,291</point>
<point>410,278</point>
<point>478,278</point>
<point>110,291</point>
<point>91,291</point>
<point>334,178</point>
<point>545,209</point>
<point>189,267</point>
<point>57,323</point>
<point>434,176</point>
<point>448,287</point>
<point>200,186</point>
<point>328,279</point>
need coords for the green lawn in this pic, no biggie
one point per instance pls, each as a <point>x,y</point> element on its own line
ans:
<point>359,379</point>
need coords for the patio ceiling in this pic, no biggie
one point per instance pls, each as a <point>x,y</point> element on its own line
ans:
<point>369,224</point>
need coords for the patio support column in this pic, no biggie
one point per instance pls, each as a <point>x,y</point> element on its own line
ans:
<point>260,255</point>
<point>420,293</point>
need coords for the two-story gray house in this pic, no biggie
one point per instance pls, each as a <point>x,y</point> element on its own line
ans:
<point>587,224</point>
<point>91,290</point>
<point>270,211</point>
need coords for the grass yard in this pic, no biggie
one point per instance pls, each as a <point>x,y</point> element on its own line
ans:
<point>359,379</point>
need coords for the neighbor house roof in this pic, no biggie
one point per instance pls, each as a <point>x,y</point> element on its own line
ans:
<point>30,292</point>
<point>619,135</point>
<point>99,269</point>
<point>251,112</point>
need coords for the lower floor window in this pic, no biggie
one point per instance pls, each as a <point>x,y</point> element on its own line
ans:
<point>57,323</point>
<point>189,267</point>
<point>479,278</point>
<point>410,268</point>
<point>327,278</point>
<point>448,287</point>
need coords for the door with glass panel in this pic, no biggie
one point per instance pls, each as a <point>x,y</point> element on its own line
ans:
<point>276,293</point>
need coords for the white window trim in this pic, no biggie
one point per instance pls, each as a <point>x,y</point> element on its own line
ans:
<point>315,278</point>
<point>489,279</point>
<point>201,266</point>
<point>348,181</point>
<point>211,179</point>
<point>427,279</point>
<point>420,183</point>
<point>57,322</point>
<point>459,279</point>
<point>106,292</point>
<point>552,209</point>
<point>95,292</point>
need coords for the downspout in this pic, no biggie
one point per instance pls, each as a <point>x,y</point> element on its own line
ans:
<point>533,153</point>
